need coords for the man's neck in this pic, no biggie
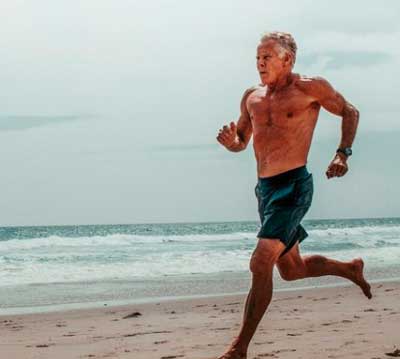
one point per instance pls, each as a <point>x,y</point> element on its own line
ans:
<point>283,81</point>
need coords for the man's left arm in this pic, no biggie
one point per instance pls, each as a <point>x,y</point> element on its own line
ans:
<point>334,102</point>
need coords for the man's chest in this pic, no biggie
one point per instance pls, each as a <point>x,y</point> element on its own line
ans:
<point>278,108</point>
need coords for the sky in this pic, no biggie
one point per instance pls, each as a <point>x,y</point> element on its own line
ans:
<point>109,110</point>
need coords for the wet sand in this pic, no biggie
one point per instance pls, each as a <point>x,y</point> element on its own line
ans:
<point>318,323</point>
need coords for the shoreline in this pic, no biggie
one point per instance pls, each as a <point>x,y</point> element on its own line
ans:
<point>301,323</point>
<point>65,307</point>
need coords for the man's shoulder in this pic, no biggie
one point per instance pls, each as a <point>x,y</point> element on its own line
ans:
<point>310,85</point>
<point>252,89</point>
<point>249,91</point>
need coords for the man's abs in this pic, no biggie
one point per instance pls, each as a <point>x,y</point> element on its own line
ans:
<point>282,148</point>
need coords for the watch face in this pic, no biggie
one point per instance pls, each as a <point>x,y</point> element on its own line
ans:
<point>348,151</point>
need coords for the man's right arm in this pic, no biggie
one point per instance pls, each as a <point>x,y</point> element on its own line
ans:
<point>236,137</point>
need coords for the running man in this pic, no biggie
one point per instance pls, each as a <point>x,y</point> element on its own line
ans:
<point>281,114</point>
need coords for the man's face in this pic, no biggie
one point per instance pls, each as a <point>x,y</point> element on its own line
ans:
<point>269,65</point>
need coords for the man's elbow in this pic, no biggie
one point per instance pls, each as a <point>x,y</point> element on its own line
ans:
<point>352,113</point>
<point>356,114</point>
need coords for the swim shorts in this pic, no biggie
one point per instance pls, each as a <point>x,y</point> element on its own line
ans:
<point>283,200</point>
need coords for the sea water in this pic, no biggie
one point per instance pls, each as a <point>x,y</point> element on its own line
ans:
<point>81,266</point>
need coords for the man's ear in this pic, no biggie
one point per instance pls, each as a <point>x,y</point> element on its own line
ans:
<point>288,59</point>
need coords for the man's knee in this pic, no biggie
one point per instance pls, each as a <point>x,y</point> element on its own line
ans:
<point>265,255</point>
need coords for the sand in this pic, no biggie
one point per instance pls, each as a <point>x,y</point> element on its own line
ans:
<point>310,323</point>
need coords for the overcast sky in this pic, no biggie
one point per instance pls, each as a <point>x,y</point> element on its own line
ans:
<point>109,109</point>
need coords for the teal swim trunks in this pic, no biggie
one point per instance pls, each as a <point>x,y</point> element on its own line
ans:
<point>283,200</point>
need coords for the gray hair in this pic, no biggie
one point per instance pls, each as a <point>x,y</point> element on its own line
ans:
<point>284,39</point>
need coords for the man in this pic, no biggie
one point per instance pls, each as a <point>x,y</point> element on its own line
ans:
<point>281,113</point>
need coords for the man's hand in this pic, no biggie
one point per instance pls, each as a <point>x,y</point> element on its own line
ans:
<point>227,135</point>
<point>338,167</point>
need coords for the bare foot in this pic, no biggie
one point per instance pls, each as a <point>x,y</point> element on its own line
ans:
<point>358,276</point>
<point>233,353</point>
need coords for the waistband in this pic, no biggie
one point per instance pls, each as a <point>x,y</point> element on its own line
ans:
<point>285,177</point>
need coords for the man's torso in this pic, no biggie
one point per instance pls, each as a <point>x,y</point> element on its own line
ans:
<point>283,123</point>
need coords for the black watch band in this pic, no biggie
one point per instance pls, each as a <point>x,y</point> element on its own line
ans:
<point>346,151</point>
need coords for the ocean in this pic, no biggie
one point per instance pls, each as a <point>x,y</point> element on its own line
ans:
<point>61,267</point>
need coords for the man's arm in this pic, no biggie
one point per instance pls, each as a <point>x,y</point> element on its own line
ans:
<point>236,137</point>
<point>334,102</point>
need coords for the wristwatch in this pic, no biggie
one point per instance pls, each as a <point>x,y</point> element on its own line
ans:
<point>346,151</point>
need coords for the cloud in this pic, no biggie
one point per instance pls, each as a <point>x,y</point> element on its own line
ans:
<point>340,59</point>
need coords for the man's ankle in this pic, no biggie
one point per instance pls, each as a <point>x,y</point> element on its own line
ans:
<point>239,347</point>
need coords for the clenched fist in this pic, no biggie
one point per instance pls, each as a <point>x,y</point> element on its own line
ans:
<point>337,168</point>
<point>227,135</point>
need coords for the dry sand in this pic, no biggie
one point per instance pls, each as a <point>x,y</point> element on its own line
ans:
<point>313,323</point>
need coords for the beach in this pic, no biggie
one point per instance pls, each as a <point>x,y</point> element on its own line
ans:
<point>330,322</point>
<point>65,292</point>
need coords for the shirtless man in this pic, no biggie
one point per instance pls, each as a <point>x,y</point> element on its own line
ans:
<point>282,113</point>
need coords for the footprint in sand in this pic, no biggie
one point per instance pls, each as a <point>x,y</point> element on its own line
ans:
<point>17,327</point>
<point>317,299</point>
<point>133,315</point>
<point>283,350</point>
<point>161,342</point>
<point>349,342</point>
<point>43,345</point>
<point>395,353</point>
